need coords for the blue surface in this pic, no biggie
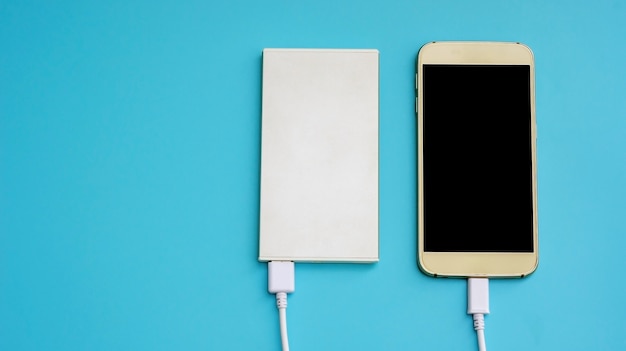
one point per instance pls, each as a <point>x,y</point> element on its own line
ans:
<point>129,179</point>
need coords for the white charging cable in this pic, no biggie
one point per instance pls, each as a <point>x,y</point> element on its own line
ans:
<point>478,306</point>
<point>281,281</point>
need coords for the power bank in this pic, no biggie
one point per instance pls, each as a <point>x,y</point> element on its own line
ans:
<point>319,155</point>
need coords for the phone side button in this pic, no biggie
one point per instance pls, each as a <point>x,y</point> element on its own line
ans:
<point>416,105</point>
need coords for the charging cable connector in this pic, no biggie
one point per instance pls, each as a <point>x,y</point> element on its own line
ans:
<point>281,281</point>
<point>478,306</point>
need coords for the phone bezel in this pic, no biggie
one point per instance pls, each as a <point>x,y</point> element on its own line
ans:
<point>475,264</point>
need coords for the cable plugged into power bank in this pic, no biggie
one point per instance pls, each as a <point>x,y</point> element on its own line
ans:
<point>281,281</point>
<point>317,211</point>
<point>478,306</point>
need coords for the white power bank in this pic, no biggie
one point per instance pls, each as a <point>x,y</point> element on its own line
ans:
<point>319,156</point>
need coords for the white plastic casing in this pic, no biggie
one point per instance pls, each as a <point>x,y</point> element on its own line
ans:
<point>477,295</point>
<point>319,156</point>
<point>281,277</point>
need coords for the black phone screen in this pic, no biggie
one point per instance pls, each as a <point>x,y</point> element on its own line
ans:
<point>477,158</point>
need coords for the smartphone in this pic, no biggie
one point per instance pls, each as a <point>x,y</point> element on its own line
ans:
<point>477,159</point>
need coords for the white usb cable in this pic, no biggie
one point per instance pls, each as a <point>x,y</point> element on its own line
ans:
<point>478,306</point>
<point>281,281</point>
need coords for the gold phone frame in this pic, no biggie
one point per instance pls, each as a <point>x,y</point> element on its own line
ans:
<point>475,264</point>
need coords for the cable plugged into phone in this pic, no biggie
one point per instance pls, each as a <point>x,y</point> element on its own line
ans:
<point>478,306</point>
<point>281,281</point>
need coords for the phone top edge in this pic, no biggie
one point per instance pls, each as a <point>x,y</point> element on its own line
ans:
<point>475,52</point>
<point>472,43</point>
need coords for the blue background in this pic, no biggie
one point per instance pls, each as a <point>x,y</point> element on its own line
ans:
<point>129,178</point>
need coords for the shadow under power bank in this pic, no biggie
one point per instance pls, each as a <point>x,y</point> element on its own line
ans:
<point>319,156</point>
